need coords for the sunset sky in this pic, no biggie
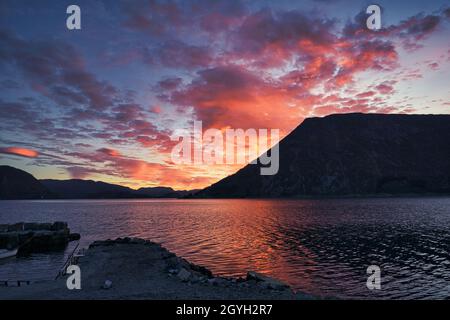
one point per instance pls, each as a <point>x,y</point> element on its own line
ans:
<point>103,102</point>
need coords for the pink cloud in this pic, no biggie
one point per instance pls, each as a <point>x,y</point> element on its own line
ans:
<point>109,152</point>
<point>384,88</point>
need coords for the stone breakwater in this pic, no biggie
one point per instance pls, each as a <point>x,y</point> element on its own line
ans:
<point>35,237</point>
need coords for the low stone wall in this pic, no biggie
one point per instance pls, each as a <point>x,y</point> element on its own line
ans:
<point>36,237</point>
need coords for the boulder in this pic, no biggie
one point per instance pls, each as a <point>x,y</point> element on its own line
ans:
<point>16,227</point>
<point>138,241</point>
<point>167,254</point>
<point>184,275</point>
<point>37,226</point>
<point>59,225</point>
<point>202,270</point>
<point>218,281</point>
<point>107,285</point>
<point>172,263</point>
<point>173,271</point>
<point>266,282</point>
<point>74,236</point>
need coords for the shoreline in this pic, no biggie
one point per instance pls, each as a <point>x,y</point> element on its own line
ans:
<point>297,197</point>
<point>134,268</point>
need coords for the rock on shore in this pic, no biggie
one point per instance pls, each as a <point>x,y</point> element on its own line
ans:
<point>132,268</point>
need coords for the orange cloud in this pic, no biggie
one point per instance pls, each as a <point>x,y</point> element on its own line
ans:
<point>232,96</point>
<point>21,152</point>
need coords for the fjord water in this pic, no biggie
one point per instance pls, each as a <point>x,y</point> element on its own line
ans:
<point>320,247</point>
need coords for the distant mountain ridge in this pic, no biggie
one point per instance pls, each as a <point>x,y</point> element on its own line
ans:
<point>18,184</point>
<point>352,154</point>
<point>77,188</point>
<point>89,189</point>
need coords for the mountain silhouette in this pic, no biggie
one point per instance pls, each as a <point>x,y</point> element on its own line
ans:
<point>88,189</point>
<point>18,184</point>
<point>352,154</point>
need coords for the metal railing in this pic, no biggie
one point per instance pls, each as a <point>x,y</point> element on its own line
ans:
<point>68,262</point>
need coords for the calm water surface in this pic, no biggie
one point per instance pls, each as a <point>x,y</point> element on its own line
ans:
<point>318,246</point>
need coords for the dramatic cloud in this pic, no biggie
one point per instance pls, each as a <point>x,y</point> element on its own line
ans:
<point>56,70</point>
<point>233,96</point>
<point>170,84</point>
<point>110,152</point>
<point>79,172</point>
<point>384,88</point>
<point>21,152</point>
<point>176,54</point>
<point>410,31</point>
<point>268,39</point>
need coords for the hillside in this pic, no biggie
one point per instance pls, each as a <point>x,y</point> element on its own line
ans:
<point>18,184</point>
<point>352,154</point>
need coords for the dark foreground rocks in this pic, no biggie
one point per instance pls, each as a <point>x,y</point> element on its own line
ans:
<point>131,268</point>
<point>35,237</point>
